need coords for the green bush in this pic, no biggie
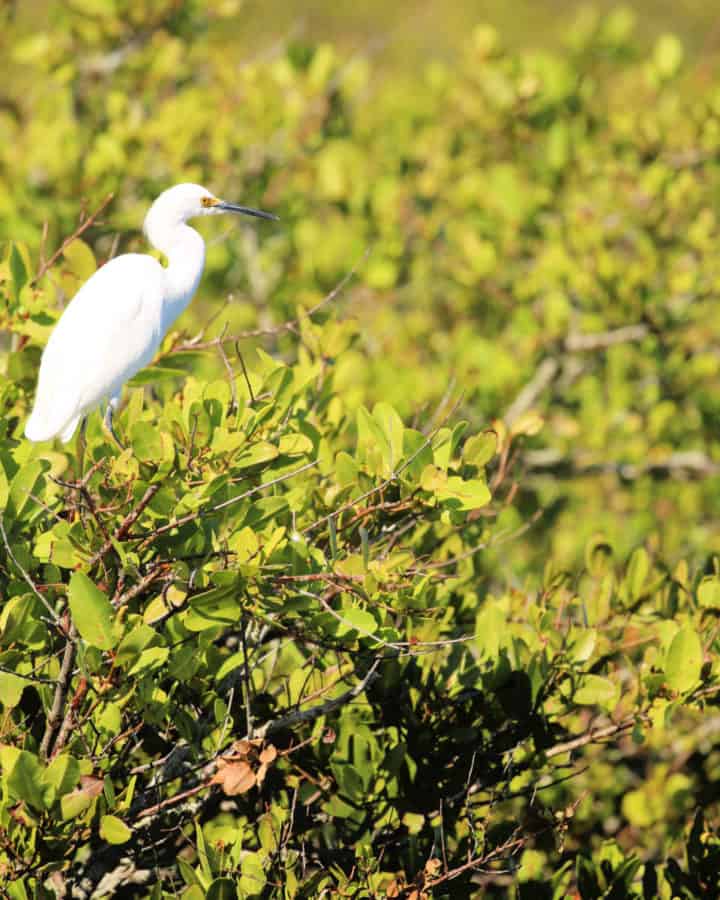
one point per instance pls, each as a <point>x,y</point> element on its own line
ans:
<point>406,583</point>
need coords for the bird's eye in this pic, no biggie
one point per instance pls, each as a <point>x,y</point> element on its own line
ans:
<point>208,201</point>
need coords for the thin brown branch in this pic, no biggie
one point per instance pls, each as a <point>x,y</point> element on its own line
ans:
<point>601,340</point>
<point>388,481</point>
<point>152,811</point>
<point>26,577</point>
<point>292,325</point>
<point>528,396</point>
<point>321,709</point>
<point>127,523</point>
<point>69,720</point>
<point>594,735</point>
<point>157,573</point>
<point>551,366</point>
<point>82,227</point>
<point>190,517</point>
<point>231,378</point>
<point>61,688</point>
<point>511,845</point>
<point>688,463</point>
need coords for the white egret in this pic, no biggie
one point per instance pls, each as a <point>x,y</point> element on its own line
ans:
<point>114,324</point>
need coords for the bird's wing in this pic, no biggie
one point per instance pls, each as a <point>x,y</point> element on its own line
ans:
<point>109,330</point>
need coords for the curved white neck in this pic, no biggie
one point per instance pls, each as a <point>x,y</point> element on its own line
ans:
<point>185,252</point>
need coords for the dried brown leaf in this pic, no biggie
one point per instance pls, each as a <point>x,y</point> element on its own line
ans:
<point>432,867</point>
<point>268,755</point>
<point>243,748</point>
<point>234,777</point>
<point>90,785</point>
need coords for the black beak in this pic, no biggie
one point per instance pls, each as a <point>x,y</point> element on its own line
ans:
<point>246,211</point>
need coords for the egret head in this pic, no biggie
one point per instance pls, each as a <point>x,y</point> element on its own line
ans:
<point>186,201</point>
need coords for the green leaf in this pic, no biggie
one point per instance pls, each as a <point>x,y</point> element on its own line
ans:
<point>258,453</point>
<point>217,607</point>
<point>23,776</point>
<point>597,691</point>
<point>62,776</point>
<point>417,454</point>
<point>156,372</point>
<point>581,645</point>
<point>195,891</point>
<point>356,619</point>
<point>222,889</point>
<point>149,443</point>
<point>92,612</point>
<point>17,890</point>
<point>684,659</point>
<point>24,485</point>
<point>464,495</point>
<point>372,445</point>
<point>114,830</point>
<point>392,428</point>
<point>668,55</point>
<point>346,469</point>
<point>442,448</point>
<point>134,642</point>
<point>709,593</point>
<point>253,877</point>
<point>11,689</point>
<point>4,488</point>
<point>149,660</point>
<point>17,270</point>
<point>296,444</point>
<point>480,448</point>
<point>202,852</point>
<point>79,259</point>
<point>638,569</point>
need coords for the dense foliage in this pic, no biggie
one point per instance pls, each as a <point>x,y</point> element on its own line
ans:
<point>405,583</point>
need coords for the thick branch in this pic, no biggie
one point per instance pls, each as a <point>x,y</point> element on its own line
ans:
<point>551,366</point>
<point>601,340</point>
<point>594,735</point>
<point>688,463</point>
<point>61,689</point>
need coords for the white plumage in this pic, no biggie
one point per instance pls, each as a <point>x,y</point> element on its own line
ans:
<point>113,326</point>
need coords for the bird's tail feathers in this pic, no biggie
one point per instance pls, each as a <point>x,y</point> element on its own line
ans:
<point>69,430</point>
<point>42,428</point>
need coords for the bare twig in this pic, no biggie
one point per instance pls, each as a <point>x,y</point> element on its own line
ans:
<point>292,325</point>
<point>190,517</point>
<point>82,227</point>
<point>511,845</point>
<point>321,709</point>
<point>127,523</point>
<point>61,689</point>
<point>26,577</point>
<point>551,366</point>
<point>594,735</point>
<point>601,340</point>
<point>69,720</point>
<point>528,396</point>
<point>246,679</point>
<point>388,481</point>
<point>684,463</point>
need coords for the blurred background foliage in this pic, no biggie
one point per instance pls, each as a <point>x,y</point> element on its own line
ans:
<point>506,202</point>
<point>531,212</point>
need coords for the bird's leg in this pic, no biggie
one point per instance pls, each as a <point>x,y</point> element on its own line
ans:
<point>108,421</point>
<point>81,449</point>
